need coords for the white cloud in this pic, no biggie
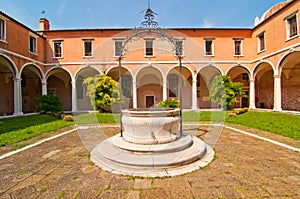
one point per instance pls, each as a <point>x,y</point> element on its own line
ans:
<point>206,23</point>
<point>62,7</point>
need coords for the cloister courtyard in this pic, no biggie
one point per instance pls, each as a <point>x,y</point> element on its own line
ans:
<point>255,165</point>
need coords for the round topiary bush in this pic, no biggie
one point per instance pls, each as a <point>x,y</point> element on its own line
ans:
<point>49,103</point>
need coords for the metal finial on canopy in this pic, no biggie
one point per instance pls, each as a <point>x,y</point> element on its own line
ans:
<point>149,18</point>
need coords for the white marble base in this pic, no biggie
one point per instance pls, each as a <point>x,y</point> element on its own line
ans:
<point>186,154</point>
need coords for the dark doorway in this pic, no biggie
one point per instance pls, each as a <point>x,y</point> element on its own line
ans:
<point>149,101</point>
<point>245,100</point>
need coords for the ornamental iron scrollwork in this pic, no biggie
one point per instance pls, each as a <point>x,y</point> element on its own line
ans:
<point>149,19</point>
<point>150,27</point>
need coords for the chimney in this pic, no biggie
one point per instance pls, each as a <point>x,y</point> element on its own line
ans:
<point>44,24</point>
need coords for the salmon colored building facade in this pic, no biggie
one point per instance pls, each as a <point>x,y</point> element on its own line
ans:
<point>265,58</point>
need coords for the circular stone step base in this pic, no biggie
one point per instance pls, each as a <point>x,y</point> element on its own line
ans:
<point>179,158</point>
<point>184,142</point>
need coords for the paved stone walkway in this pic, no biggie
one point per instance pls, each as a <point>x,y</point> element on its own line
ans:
<point>244,167</point>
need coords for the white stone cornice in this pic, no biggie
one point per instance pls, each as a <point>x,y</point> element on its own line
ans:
<point>20,56</point>
<point>289,48</point>
<point>276,52</point>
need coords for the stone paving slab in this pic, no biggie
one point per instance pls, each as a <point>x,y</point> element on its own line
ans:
<point>244,167</point>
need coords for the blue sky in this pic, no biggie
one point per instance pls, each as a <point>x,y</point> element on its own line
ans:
<point>75,14</point>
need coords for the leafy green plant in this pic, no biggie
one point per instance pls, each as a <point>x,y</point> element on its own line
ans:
<point>224,92</point>
<point>103,92</point>
<point>172,103</point>
<point>49,103</point>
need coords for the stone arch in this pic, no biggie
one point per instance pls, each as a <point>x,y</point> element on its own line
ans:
<point>148,66</point>
<point>204,77</point>
<point>8,62</point>
<point>8,72</point>
<point>263,75</point>
<point>127,83</point>
<point>83,101</point>
<point>255,70</point>
<point>245,68</point>
<point>239,73</point>
<point>59,84</point>
<point>173,87</point>
<point>149,86</point>
<point>93,68</point>
<point>289,71</point>
<point>31,87</point>
<point>122,68</point>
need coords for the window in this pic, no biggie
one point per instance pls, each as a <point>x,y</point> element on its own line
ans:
<point>209,47</point>
<point>126,85</point>
<point>57,49</point>
<point>32,44</point>
<point>87,47</point>
<point>2,30</point>
<point>261,42</point>
<point>179,48</point>
<point>245,76</point>
<point>292,26</point>
<point>173,85</point>
<point>238,47</point>
<point>118,48</point>
<point>149,51</point>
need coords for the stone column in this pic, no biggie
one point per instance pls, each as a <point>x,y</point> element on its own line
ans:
<point>74,96</point>
<point>277,93</point>
<point>44,87</point>
<point>17,97</point>
<point>134,94</point>
<point>165,95</point>
<point>194,95</point>
<point>252,95</point>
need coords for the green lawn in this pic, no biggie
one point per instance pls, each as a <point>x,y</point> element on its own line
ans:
<point>283,124</point>
<point>13,130</point>
<point>280,123</point>
<point>92,118</point>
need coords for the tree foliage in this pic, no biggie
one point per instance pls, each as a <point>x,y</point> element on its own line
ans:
<point>224,92</point>
<point>49,103</point>
<point>172,103</point>
<point>103,92</point>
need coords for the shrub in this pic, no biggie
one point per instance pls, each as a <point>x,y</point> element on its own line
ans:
<point>49,103</point>
<point>172,103</point>
<point>224,92</point>
<point>103,92</point>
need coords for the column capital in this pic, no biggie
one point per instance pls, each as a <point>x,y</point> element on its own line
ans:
<point>44,81</point>
<point>17,79</point>
<point>277,76</point>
